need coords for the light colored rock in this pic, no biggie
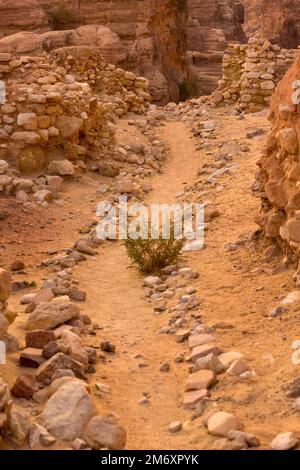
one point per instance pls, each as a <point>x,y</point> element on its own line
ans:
<point>175,426</point>
<point>203,379</point>
<point>204,350</point>
<point>68,411</point>
<point>210,362</point>
<point>48,315</point>
<point>39,435</point>
<point>229,357</point>
<point>238,367</point>
<point>42,296</point>
<point>192,398</point>
<point>151,281</point>
<point>284,441</point>
<point>28,120</point>
<point>26,137</point>
<point>288,140</point>
<point>18,426</point>
<point>199,340</point>
<point>220,423</point>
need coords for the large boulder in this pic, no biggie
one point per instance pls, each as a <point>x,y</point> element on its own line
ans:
<point>107,42</point>
<point>103,432</point>
<point>50,314</point>
<point>68,411</point>
<point>61,168</point>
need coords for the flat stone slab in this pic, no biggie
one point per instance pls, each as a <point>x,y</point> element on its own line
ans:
<point>199,340</point>
<point>191,399</point>
<point>203,379</point>
<point>204,350</point>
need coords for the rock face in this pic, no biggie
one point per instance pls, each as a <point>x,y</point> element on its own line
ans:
<point>277,183</point>
<point>107,43</point>
<point>211,24</point>
<point>18,15</point>
<point>277,19</point>
<point>7,314</point>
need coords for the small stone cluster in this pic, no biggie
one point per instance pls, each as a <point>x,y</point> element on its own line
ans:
<point>251,72</point>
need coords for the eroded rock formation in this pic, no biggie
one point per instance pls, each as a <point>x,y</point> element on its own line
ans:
<point>277,19</point>
<point>107,42</point>
<point>277,183</point>
<point>22,15</point>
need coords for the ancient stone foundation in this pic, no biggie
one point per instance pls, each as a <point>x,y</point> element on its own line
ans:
<point>62,105</point>
<point>251,72</point>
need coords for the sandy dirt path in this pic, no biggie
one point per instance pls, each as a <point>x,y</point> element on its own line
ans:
<point>115,299</point>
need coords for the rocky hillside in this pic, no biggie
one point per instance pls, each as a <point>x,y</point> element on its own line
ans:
<point>278,20</point>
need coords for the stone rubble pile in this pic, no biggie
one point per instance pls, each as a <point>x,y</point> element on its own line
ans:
<point>251,72</point>
<point>120,90</point>
<point>59,116</point>
<point>55,347</point>
<point>172,292</point>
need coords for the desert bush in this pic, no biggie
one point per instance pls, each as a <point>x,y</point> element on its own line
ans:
<point>188,89</point>
<point>151,255</point>
<point>62,17</point>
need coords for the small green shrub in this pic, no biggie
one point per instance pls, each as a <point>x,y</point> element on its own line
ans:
<point>188,89</point>
<point>62,17</point>
<point>152,255</point>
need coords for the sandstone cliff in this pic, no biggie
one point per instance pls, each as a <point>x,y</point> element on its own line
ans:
<point>211,24</point>
<point>278,20</point>
<point>21,15</point>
